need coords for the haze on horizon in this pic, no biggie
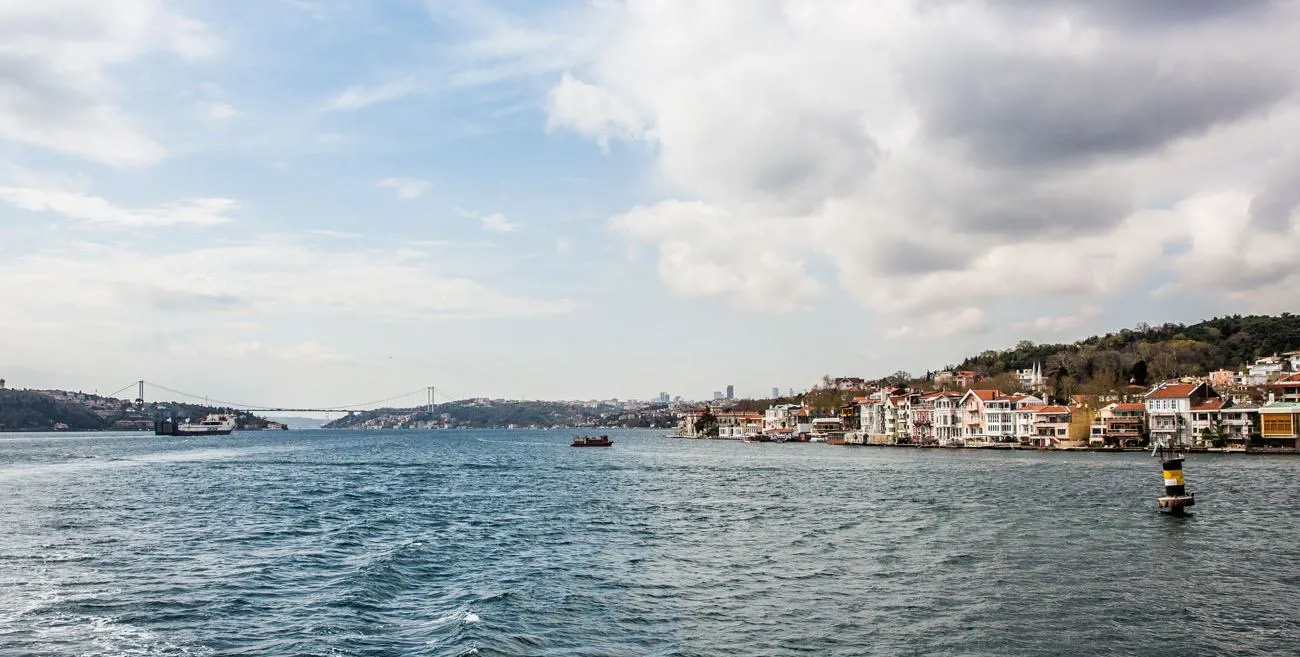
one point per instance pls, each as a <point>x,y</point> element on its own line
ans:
<point>324,202</point>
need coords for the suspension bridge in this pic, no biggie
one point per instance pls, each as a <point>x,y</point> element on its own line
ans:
<point>426,396</point>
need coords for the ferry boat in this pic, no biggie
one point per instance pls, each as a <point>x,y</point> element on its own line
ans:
<point>591,441</point>
<point>215,424</point>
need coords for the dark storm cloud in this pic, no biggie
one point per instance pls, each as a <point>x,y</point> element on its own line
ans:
<point>1019,111</point>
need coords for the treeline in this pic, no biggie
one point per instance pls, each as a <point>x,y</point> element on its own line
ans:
<point>1144,354</point>
<point>44,410</point>
<point>24,410</point>
<point>496,414</point>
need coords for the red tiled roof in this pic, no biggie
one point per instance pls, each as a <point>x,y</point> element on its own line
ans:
<point>1209,405</point>
<point>1173,391</point>
<point>1130,407</point>
<point>1051,410</point>
<point>986,395</point>
<point>1288,380</point>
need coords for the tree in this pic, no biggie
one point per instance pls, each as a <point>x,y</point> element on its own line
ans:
<point>707,425</point>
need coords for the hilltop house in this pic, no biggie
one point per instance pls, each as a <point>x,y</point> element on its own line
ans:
<point>1285,389</point>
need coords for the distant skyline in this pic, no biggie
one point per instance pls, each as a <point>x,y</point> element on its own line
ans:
<point>322,202</point>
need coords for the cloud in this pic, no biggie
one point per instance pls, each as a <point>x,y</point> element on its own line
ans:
<point>1059,324</point>
<point>56,92</point>
<point>563,246</point>
<point>221,111</point>
<point>262,278</point>
<point>361,96</point>
<point>972,151</point>
<point>96,210</point>
<point>495,222</point>
<point>498,223</point>
<point>592,112</point>
<point>944,323</point>
<point>705,252</point>
<point>406,188</point>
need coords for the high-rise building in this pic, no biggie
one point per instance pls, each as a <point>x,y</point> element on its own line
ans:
<point>663,398</point>
<point>776,392</point>
<point>717,395</point>
<point>731,391</point>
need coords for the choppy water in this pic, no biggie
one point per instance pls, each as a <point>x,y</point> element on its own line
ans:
<point>512,543</point>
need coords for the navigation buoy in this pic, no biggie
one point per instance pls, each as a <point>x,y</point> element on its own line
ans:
<point>1176,498</point>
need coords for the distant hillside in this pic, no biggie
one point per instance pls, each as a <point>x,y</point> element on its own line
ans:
<point>46,410</point>
<point>27,410</point>
<point>486,413</point>
<point>1146,354</point>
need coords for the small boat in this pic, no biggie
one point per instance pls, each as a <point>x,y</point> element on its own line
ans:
<point>591,441</point>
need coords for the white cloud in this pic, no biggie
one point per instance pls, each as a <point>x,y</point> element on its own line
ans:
<point>96,210</point>
<point>937,155</point>
<point>705,252</point>
<point>406,188</point>
<point>1049,325</point>
<point>260,279</point>
<point>563,246</point>
<point>498,223</point>
<point>361,96</point>
<point>221,111</point>
<point>54,62</point>
<point>495,222</point>
<point>944,323</point>
<point>592,112</point>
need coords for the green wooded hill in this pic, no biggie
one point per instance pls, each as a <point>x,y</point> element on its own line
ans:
<point>1146,354</point>
<point>480,413</point>
<point>26,410</point>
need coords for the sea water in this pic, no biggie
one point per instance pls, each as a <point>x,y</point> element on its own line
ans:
<point>513,543</point>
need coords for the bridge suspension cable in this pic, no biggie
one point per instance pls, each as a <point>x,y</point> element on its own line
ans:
<point>209,401</point>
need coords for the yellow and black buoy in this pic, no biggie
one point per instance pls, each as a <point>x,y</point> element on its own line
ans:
<point>1176,498</point>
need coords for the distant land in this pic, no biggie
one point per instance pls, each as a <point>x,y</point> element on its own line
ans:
<point>501,413</point>
<point>1103,364</point>
<point>295,422</point>
<point>63,410</point>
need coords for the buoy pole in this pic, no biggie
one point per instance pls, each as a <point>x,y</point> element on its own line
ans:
<point>1176,499</point>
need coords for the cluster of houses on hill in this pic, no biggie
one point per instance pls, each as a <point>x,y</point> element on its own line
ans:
<point>1187,412</point>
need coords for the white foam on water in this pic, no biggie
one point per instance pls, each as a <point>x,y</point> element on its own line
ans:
<point>471,617</point>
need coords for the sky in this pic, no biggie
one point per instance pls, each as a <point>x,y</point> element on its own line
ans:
<point>322,202</point>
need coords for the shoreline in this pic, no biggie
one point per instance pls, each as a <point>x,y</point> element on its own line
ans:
<point>1259,451</point>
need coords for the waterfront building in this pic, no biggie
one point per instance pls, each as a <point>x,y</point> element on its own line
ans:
<point>1280,424</point>
<point>1169,411</point>
<point>1240,422</point>
<point>1051,425</point>
<point>779,418</point>
<point>735,425</point>
<point>974,417</point>
<point>1118,425</point>
<point>946,418</point>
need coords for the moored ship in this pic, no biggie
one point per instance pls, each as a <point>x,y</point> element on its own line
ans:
<point>591,441</point>
<point>214,424</point>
